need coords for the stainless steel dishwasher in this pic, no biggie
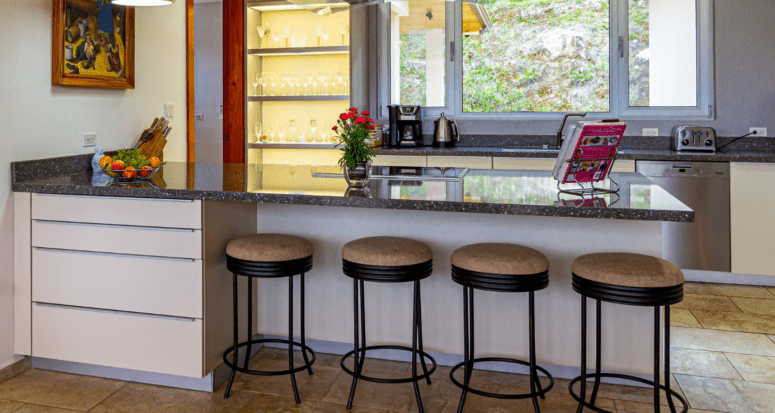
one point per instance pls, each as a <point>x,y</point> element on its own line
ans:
<point>703,187</point>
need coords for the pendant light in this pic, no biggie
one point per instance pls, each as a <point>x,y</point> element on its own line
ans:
<point>140,3</point>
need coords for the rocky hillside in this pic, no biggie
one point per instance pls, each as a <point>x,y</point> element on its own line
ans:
<point>539,56</point>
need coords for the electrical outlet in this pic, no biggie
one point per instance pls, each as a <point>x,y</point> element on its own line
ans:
<point>760,132</point>
<point>169,111</point>
<point>650,132</point>
<point>89,139</point>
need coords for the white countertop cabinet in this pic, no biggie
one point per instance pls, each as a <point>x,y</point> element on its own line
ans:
<point>139,284</point>
<point>752,196</point>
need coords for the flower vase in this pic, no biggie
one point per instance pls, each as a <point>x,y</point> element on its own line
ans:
<point>358,176</point>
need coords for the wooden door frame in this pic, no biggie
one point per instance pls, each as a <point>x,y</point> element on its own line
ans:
<point>233,81</point>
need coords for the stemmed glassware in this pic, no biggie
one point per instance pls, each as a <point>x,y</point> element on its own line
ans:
<point>343,28</point>
<point>276,36</point>
<point>281,132</point>
<point>272,131</point>
<point>292,126</point>
<point>314,83</point>
<point>325,37</point>
<point>262,80</point>
<point>287,35</point>
<point>318,31</point>
<point>306,80</point>
<point>255,84</point>
<point>297,81</point>
<point>273,81</point>
<point>262,31</point>
<point>283,81</point>
<point>313,126</point>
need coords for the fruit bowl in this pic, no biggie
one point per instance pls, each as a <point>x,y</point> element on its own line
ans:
<point>129,165</point>
<point>131,175</point>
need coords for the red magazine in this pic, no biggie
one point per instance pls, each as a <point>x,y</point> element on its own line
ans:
<point>590,152</point>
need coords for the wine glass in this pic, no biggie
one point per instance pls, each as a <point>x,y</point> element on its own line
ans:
<point>297,81</point>
<point>276,36</point>
<point>261,33</point>
<point>292,126</point>
<point>313,126</point>
<point>281,132</point>
<point>287,35</point>
<point>314,84</point>
<point>255,84</point>
<point>273,81</point>
<point>257,130</point>
<point>306,80</point>
<point>272,131</point>
<point>325,79</point>
<point>283,81</point>
<point>318,31</point>
<point>262,79</point>
<point>325,37</point>
<point>343,29</point>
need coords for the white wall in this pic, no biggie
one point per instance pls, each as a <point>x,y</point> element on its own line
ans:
<point>38,120</point>
<point>208,46</point>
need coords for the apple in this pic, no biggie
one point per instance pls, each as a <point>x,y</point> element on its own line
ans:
<point>145,171</point>
<point>117,165</point>
<point>130,172</point>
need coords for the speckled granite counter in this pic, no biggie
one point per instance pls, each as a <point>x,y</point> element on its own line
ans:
<point>480,191</point>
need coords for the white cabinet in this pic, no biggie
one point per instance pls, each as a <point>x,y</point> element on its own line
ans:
<point>752,196</point>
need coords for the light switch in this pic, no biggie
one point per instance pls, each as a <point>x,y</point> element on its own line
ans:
<point>89,139</point>
<point>169,111</point>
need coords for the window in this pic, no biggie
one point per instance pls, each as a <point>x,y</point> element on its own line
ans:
<point>537,58</point>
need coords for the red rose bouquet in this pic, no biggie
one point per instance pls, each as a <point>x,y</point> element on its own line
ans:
<point>353,130</point>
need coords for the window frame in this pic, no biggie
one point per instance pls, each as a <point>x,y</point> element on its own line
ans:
<point>618,71</point>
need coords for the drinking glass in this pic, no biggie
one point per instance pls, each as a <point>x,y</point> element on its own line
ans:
<point>321,76</point>
<point>326,79</point>
<point>306,80</point>
<point>343,29</point>
<point>314,84</point>
<point>262,79</point>
<point>318,31</point>
<point>261,33</point>
<point>313,126</point>
<point>325,37</point>
<point>272,132</point>
<point>257,130</point>
<point>287,35</point>
<point>297,81</point>
<point>272,78</point>
<point>255,84</point>
<point>281,132</point>
<point>292,126</point>
<point>283,81</point>
<point>276,36</point>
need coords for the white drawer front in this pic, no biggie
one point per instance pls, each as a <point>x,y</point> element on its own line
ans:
<point>390,160</point>
<point>524,164</point>
<point>124,340</point>
<point>118,240</point>
<point>118,282</point>
<point>473,162</point>
<point>624,165</point>
<point>118,211</point>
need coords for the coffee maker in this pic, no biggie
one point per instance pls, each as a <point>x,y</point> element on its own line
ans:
<point>405,125</point>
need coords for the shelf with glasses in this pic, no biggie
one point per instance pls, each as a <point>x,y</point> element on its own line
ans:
<point>299,98</point>
<point>300,51</point>
<point>283,5</point>
<point>271,145</point>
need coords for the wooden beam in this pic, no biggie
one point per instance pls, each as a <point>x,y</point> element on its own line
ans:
<point>234,81</point>
<point>190,84</point>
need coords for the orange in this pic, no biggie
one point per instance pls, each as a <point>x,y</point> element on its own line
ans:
<point>105,161</point>
<point>130,172</point>
<point>145,171</point>
<point>117,165</point>
<point>155,162</point>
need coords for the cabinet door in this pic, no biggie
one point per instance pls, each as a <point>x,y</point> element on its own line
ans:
<point>752,195</point>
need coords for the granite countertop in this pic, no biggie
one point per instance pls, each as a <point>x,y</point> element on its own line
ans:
<point>480,191</point>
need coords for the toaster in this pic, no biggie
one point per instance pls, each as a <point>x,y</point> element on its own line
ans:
<point>694,138</point>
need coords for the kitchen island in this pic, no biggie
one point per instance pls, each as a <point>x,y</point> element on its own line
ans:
<point>445,208</point>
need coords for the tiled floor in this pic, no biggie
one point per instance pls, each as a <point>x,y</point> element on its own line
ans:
<point>723,357</point>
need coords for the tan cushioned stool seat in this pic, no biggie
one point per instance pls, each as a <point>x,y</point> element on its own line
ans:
<point>386,251</point>
<point>628,270</point>
<point>269,248</point>
<point>504,259</point>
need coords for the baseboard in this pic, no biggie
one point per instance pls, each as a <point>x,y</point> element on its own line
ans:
<point>14,368</point>
<point>209,383</point>
<point>720,277</point>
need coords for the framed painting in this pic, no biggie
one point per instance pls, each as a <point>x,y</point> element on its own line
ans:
<point>94,44</point>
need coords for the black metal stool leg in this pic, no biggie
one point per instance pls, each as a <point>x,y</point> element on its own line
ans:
<point>414,348</point>
<point>466,356</point>
<point>418,299</point>
<point>250,321</point>
<point>533,372</point>
<point>303,331</point>
<point>598,349</point>
<point>290,339</point>
<point>657,344</point>
<point>236,340</point>
<point>667,360</point>
<point>356,354</point>
<point>583,394</point>
<point>362,294</point>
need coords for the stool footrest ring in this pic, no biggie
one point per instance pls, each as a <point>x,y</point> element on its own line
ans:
<point>231,365</point>
<point>362,351</point>
<point>624,377</point>
<point>497,395</point>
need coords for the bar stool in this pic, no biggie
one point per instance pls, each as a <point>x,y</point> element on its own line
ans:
<point>387,260</point>
<point>269,256</point>
<point>628,279</point>
<point>501,268</point>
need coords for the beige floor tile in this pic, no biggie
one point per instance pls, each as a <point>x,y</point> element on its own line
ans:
<point>726,341</point>
<point>8,406</point>
<point>702,363</point>
<point>682,317</point>
<point>728,395</point>
<point>771,290</point>
<point>14,369</point>
<point>634,407</point>
<point>754,368</point>
<point>311,388</point>
<point>275,404</point>
<point>66,391</point>
<point>280,357</point>
<point>742,322</point>
<point>708,303</point>
<point>34,408</point>
<point>135,397</point>
<point>729,290</point>
<point>755,305</point>
<point>772,337</point>
<point>369,395</point>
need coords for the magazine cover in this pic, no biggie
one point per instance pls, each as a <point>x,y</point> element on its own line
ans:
<point>594,148</point>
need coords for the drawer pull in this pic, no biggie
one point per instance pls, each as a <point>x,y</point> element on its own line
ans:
<point>120,198</point>
<point>81,224</point>
<point>99,310</point>
<point>108,254</point>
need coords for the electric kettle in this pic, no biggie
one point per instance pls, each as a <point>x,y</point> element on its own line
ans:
<point>446,132</point>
